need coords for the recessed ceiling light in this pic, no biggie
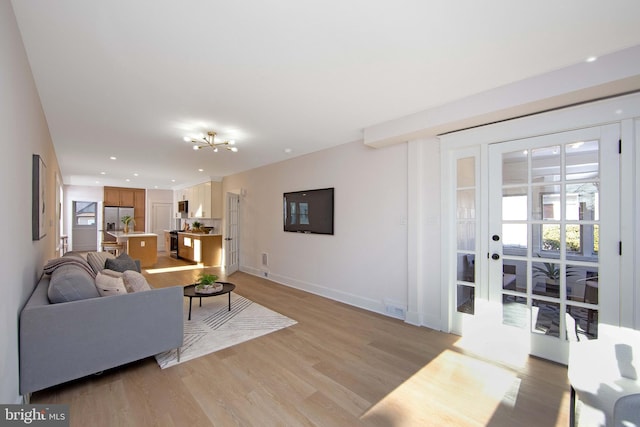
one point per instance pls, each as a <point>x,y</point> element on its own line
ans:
<point>135,174</point>
<point>103,173</point>
<point>200,170</point>
<point>288,150</point>
<point>173,180</point>
<point>128,180</point>
<point>113,157</point>
<point>592,58</point>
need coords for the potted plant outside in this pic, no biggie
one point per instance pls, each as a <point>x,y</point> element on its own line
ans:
<point>127,220</point>
<point>207,284</point>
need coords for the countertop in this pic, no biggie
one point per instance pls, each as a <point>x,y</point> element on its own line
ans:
<point>122,234</point>
<point>189,233</point>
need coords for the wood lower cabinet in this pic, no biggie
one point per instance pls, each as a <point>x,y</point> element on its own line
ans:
<point>201,248</point>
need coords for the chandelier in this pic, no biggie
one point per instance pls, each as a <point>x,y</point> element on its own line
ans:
<point>210,140</point>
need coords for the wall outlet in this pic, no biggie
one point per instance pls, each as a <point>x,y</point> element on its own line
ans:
<point>265,274</point>
<point>142,243</point>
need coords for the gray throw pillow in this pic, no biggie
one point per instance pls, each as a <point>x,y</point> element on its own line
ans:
<point>97,260</point>
<point>122,263</point>
<point>70,283</point>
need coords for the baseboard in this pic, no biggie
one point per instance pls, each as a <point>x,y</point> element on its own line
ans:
<point>344,297</point>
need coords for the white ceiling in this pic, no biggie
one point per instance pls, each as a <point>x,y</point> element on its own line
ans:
<point>131,78</point>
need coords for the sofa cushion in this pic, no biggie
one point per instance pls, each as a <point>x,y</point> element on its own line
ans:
<point>110,283</point>
<point>122,263</point>
<point>97,260</point>
<point>70,283</point>
<point>135,282</point>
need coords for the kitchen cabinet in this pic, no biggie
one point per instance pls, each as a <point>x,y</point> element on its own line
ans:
<point>167,241</point>
<point>205,200</point>
<point>111,196</point>
<point>128,197</point>
<point>139,206</point>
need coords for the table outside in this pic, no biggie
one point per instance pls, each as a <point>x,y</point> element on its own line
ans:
<point>190,292</point>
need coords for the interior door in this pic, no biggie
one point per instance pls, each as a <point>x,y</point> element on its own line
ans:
<point>161,221</point>
<point>84,231</point>
<point>231,240</point>
<point>553,236</point>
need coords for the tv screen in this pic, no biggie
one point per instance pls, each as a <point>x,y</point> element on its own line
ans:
<point>309,211</point>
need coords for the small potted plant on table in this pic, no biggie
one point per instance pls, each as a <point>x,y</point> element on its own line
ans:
<point>196,226</point>
<point>126,220</point>
<point>207,284</point>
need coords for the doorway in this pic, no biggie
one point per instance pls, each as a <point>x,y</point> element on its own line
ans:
<point>84,228</point>
<point>161,222</point>
<point>540,263</point>
<point>231,238</point>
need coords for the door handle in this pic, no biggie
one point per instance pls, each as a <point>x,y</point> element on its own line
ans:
<point>228,238</point>
<point>495,257</point>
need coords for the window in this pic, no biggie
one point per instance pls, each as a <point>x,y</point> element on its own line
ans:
<point>84,213</point>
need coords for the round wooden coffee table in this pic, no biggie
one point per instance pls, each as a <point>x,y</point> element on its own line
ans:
<point>190,291</point>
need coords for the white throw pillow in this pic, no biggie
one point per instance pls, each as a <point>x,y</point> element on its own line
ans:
<point>135,282</point>
<point>109,283</point>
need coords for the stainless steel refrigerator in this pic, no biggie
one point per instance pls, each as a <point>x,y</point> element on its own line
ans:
<point>113,218</point>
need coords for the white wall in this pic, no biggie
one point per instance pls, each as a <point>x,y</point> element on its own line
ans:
<point>23,132</point>
<point>365,262</point>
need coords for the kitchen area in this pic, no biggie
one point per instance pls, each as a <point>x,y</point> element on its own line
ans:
<point>124,225</point>
<point>195,225</point>
<point>197,234</point>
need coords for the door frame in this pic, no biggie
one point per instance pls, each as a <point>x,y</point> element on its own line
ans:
<point>623,110</point>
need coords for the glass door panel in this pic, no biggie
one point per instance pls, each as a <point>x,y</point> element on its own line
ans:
<point>544,235</point>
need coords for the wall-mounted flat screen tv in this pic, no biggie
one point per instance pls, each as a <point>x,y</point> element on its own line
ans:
<point>309,211</point>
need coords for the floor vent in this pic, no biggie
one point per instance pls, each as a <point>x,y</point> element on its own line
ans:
<point>394,309</point>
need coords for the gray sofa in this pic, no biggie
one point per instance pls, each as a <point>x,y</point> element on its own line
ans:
<point>68,340</point>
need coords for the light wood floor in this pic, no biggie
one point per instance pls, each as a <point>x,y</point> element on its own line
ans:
<point>338,366</point>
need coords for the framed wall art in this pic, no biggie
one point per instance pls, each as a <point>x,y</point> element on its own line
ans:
<point>39,192</point>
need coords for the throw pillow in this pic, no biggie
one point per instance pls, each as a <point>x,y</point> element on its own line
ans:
<point>135,282</point>
<point>71,283</point>
<point>110,283</point>
<point>122,263</point>
<point>97,260</point>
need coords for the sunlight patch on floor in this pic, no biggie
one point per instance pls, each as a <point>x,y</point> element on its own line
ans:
<point>485,335</point>
<point>170,269</point>
<point>452,389</point>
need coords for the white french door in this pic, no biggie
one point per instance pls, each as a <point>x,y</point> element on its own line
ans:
<point>553,242</point>
<point>231,239</point>
<point>540,266</point>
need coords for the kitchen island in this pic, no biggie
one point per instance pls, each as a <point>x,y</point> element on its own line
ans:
<point>139,245</point>
<point>205,249</point>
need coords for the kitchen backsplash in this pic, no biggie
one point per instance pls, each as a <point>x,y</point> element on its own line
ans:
<point>206,222</point>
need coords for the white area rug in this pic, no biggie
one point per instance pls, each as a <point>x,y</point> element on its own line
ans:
<point>213,327</point>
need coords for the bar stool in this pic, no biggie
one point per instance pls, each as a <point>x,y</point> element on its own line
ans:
<point>113,247</point>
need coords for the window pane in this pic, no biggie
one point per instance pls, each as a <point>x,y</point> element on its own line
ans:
<point>514,168</point>
<point>546,202</point>
<point>514,239</point>
<point>514,275</point>
<point>546,279</point>
<point>466,268</point>
<point>581,323</point>
<point>466,204</point>
<point>466,170</point>
<point>514,311</point>
<point>466,233</point>
<point>514,204</point>
<point>582,160</point>
<point>545,318</point>
<point>546,240</point>
<point>545,164</point>
<point>465,299</point>
<point>85,213</point>
<point>583,201</point>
